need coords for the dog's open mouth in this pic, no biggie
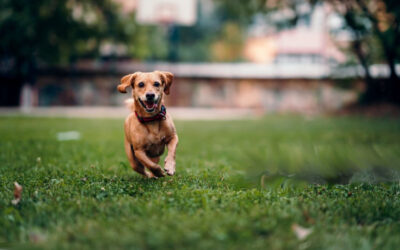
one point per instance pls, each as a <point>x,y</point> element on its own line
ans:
<point>149,106</point>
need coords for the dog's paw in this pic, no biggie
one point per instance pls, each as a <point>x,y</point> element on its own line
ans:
<point>158,172</point>
<point>150,175</point>
<point>170,167</point>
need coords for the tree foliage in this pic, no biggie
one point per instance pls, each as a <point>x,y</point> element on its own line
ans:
<point>374,25</point>
<point>375,22</point>
<point>59,31</point>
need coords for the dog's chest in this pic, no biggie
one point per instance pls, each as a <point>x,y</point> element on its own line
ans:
<point>155,144</point>
<point>155,138</point>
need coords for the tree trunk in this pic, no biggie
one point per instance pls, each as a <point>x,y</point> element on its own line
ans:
<point>372,91</point>
<point>10,90</point>
<point>390,88</point>
<point>393,87</point>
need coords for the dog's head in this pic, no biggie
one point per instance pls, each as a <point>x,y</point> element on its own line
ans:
<point>148,88</point>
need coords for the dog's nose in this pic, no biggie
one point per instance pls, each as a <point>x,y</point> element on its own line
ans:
<point>150,96</point>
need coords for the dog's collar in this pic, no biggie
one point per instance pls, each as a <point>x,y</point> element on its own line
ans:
<point>160,116</point>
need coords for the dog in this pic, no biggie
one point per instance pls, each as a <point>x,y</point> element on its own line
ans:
<point>149,128</point>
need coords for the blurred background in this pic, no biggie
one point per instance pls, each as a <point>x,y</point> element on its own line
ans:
<point>239,57</point>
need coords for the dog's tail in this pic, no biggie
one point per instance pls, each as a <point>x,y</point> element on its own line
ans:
<point>129,103</point>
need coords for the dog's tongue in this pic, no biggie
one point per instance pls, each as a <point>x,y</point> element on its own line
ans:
<point>150,105</point>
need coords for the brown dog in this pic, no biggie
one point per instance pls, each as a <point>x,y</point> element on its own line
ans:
<point>149,128</point>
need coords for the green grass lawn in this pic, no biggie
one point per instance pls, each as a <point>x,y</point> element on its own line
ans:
<point>239,185</point>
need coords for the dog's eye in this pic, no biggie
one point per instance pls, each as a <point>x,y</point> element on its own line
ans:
<point>157,84</point>
<point>141,85</point>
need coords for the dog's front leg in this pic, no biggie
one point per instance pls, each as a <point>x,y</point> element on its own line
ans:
<point>169,164</point>
<point>148,163</point>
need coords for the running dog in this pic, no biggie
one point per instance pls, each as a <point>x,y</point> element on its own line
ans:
<point>149,128</point>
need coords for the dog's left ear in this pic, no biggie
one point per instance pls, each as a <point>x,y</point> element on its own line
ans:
<point>167,78</point>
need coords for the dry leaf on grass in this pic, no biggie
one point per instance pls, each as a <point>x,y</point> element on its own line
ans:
<point>300,231</point>
<point>17,193</point>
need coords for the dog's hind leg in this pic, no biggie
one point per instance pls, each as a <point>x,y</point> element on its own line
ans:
<point>155,160</point>
<point>135,164</point>
<point>150,164</point>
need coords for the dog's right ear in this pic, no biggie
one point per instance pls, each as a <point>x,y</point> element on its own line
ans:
<point>126,81</point>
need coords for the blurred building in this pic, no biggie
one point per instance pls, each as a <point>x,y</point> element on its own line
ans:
<point>309,41</point>
<point>287,70</point>
<point>298,88</point>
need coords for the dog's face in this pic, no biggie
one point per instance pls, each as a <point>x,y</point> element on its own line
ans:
<point>148,88</point>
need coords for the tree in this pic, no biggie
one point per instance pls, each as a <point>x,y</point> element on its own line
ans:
<point>374,24</point>
<point>377,20</point>
<point>52,32</point>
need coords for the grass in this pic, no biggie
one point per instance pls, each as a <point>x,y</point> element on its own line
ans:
<point>239,185</point>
